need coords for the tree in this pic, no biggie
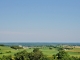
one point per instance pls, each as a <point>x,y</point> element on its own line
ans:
<point>16,47</point>
<point>36,54</point>
<point>54,56</point>
<point>36,50</point>
<point>62,55</point>
<point>44,58</point>
<point>23,55</point>
<point>7,58</point>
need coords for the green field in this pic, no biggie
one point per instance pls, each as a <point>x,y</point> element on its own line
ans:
<point>45,51</point>
<point>4,50</point>
<point>74,52</point>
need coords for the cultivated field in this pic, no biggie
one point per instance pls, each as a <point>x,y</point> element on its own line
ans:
<point>74,52</point>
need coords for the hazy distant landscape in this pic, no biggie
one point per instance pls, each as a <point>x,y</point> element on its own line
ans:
<point>47,49</point>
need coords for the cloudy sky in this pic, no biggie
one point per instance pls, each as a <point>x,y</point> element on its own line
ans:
<point>39,20</point>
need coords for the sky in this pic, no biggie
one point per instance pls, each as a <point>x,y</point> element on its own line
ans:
<point>39,20</point>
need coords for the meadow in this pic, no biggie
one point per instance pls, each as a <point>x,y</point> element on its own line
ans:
<point>74,52</point>
<point>6,50</point>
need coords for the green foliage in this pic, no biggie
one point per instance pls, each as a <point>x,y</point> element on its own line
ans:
<point>44,58</point>
<point>36,54</point>
<point>23,55</point>
<point>8,51</point>
<point>1,53</point>
<point>54,56</point>
<point>16,47</point>
<point>50,48</point>
<point>36,50</point>
<point>2,45</point>
<point>62,55</point>
<point>60,48</point>
<point>7,58</point>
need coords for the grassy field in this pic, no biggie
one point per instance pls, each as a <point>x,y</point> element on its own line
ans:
<point>4,50</point>
<point>49,52</point>
<point>46,51</point>
<point>74,52</point>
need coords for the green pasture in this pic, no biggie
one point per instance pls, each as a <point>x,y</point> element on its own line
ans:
<point>49,52</point>
<point>74,52</point>
<point>46,51</point>
<point>5,50</point>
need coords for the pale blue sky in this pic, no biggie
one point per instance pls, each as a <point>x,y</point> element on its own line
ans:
<point>39,20</point>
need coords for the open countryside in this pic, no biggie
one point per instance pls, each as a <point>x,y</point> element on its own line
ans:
<point>48,50</point>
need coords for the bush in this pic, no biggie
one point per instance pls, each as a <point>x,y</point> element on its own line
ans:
<point>16,47</point>
<point>50,48</point>
<point>8,52</point>
<point>2,45</point>
<point>1,53</point>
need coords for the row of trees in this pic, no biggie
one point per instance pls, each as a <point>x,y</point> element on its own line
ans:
<point>16,47</point>
<point>38,55</point>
